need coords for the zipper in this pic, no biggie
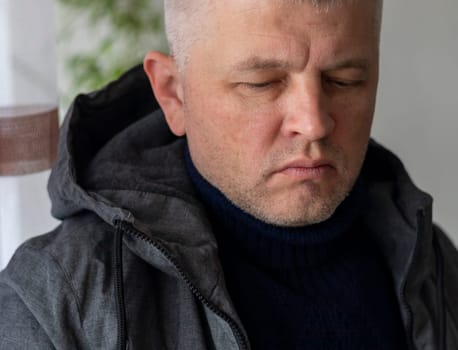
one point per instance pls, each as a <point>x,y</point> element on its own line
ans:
<point>238,333</point>
<point>121,309</point>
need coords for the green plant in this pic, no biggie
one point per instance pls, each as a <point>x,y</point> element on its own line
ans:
<point>100,39</point>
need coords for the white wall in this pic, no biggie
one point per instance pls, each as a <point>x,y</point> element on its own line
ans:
<point>27,76</point>
<point>24,211</point>
<point>417,112</point>
<point>27,52</point>
<point>5,61</point>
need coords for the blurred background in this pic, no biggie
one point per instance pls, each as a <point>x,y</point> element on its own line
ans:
<point>50,50</point>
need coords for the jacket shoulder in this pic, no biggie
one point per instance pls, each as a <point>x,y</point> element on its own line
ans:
<point>449,257</point>
<point>52,278</point>
<point>19,329</point>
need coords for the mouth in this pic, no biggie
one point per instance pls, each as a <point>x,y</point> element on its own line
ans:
<point>307,169</point>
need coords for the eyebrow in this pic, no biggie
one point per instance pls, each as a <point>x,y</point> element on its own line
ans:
<point>256,63</point>
<point>358,63</point>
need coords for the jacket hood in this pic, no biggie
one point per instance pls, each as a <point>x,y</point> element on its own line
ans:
<point>118,159</point>
<point>106,144</point>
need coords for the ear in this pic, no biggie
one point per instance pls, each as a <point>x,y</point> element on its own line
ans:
<point>165,81</point>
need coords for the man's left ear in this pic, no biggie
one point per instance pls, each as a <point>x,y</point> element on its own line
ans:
<point>166,84</point>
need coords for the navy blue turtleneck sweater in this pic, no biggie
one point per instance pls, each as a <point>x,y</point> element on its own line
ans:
<point>322,286</point>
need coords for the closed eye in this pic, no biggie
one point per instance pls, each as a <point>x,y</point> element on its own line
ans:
<point>342,83</point>
<point>259,86</point>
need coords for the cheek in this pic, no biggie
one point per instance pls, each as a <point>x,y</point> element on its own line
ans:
<point>251,123</point>
<point>237,131</point>
<point>215,131</point>
<point>205,119</point>
<point>354,119</point>
<point>352,132</point>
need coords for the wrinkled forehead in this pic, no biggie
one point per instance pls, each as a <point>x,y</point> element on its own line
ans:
<point>319,5</point>
<point>216,22</point>
<point>219,11</point>
<point>218,8</point>
<point>365,12</point>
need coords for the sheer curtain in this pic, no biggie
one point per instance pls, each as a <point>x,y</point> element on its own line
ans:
<point>27,136</point>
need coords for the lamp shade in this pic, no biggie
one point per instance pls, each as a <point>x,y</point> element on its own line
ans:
<point>28,138</point>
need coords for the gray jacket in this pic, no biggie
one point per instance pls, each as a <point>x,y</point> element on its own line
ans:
<point>134,263</point>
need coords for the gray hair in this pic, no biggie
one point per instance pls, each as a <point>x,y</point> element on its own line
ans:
<point>182,22</point>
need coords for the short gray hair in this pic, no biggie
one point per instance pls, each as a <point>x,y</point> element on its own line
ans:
<point>182,22</point>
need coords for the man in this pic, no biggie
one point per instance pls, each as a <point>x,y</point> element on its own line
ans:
<point>265,219</point>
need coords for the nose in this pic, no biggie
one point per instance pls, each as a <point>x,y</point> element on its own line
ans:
<point>307,113</point>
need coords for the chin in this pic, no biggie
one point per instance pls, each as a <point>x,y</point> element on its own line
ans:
<point>303,215</point>
<point>309,210</point>
<point>303,220</point>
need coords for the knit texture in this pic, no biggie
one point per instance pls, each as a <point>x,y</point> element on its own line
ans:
<point>322,286</point>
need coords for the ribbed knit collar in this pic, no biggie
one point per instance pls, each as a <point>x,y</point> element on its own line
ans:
<point>278,246</point>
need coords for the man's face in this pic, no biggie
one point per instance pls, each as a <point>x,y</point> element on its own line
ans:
<point>278,104</point>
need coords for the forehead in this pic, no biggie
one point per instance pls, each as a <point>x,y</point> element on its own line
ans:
<point>255,13</point>
<point>264,14</point>
<point>288,29</point>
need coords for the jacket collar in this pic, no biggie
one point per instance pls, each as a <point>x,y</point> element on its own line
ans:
<point>400,217</point>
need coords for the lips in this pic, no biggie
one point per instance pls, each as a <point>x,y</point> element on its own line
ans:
<point>307,169</point>
<point>307,164</point>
